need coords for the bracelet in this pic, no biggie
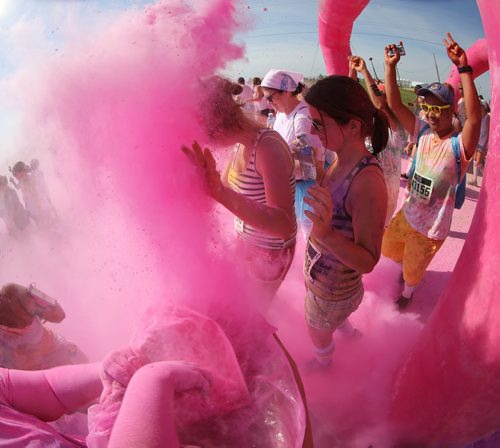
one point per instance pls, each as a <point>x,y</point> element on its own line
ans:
<point>465,69</point>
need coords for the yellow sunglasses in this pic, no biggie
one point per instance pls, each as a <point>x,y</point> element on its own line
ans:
<point>434,109</point>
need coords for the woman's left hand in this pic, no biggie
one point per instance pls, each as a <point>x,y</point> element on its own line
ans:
<point>455,52</point>
<point>322,204</point>
<point>205,162</point>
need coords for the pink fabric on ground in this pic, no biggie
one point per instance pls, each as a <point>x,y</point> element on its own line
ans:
<point>177,335</point>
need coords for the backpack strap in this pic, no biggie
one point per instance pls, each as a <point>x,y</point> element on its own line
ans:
<point>456,151</point>
<point>414,161</point>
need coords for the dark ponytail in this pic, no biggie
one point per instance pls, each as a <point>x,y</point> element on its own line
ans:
<point>299,89</point>
<point>380,133</point>
<point>344,99</point>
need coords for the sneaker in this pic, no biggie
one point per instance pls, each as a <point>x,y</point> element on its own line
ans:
<point>403,302</point>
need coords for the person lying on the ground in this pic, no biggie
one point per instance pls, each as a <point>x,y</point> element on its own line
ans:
<point>26,343</point>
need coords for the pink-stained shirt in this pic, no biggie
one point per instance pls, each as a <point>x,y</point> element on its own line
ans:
<point>429,207</point>
<point>18,429</point>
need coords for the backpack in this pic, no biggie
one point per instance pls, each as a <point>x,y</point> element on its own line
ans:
<point>461,184</point>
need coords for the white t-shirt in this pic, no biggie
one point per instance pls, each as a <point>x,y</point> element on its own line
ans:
<point>462,114</point>
<point>429,207</point>
<point>245,95</point>
<point>296,122</point>
<point>262,104</point>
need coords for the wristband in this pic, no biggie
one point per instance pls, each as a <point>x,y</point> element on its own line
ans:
<point>376,90</point>
<point>465,69</point>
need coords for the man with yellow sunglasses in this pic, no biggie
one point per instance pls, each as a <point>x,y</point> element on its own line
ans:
<point>419,229</point>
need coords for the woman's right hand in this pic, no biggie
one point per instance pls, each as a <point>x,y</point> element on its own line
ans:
<point>322,204</point>
<point>204,161</point>
<point>357,63</point>
<point>391,55</point>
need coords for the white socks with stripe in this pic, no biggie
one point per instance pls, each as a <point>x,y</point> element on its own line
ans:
<point>324,355</point>
<point>408,290</point>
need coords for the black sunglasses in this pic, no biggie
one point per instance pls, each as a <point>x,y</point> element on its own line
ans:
<point>269,98</point>
<point>318,125</point>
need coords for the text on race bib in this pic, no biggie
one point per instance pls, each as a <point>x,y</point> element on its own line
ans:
<point>421,187</point>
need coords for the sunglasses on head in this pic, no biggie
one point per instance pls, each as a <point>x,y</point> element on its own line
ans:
<point>434,109</point>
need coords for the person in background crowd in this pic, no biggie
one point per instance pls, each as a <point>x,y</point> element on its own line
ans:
<point>245,95</point>
<point>482,146</point>
<point>12,212</point>
<point>261,106</point>
<point>35,199</point>
<point>390,157</point>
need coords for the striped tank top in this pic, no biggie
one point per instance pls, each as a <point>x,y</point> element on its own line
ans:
<point>250,183</point>
<point>325,275</point>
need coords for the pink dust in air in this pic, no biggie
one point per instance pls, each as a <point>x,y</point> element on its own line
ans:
<point>106,116</point>
<point>136,228</point>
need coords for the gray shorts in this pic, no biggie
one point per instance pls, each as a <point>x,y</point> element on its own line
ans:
<point>329,314</point>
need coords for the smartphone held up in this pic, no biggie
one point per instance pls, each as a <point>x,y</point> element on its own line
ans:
<point>400,49</point>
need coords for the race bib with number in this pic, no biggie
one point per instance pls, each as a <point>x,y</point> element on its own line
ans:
<point>313,254</point>
<point>421,187</point>
<point>238,224</point>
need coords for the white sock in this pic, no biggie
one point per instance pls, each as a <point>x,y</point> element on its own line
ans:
<point>474,172</point>
<point>408,290</point>
<point>324,355</point>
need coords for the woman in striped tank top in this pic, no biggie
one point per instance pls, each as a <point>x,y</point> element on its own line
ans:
<point>257,185</point>
<point>349,208</point>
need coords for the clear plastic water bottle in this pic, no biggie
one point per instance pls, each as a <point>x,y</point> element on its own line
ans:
<point>306,158</point>
<point>270,120</point>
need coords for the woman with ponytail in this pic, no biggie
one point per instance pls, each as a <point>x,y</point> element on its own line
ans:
<point>349,208</point>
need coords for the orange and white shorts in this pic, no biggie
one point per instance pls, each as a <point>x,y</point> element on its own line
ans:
<point>403,244</point>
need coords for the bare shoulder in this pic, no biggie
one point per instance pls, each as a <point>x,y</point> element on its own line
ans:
<point>273,151</point>
<point>368,186</point>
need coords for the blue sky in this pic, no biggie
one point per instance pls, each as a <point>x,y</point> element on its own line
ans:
<point>284,32</point>
<point>285,35</point>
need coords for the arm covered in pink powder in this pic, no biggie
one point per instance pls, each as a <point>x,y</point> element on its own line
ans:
<point>146,418</point>
<point>48,394</point>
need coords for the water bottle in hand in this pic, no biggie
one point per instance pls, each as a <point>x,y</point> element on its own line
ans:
<point>270,120</point>
<point>306,158</point>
